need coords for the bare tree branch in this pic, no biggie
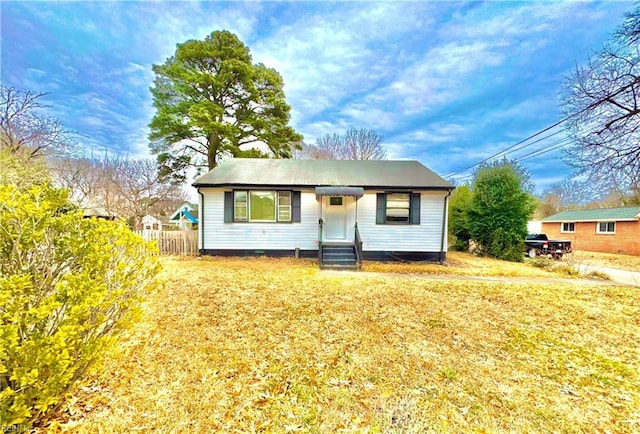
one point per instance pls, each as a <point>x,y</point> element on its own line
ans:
<point>362,144</point>
<point>25,129</point>
<point>128,188</point>
<point>602,104</point>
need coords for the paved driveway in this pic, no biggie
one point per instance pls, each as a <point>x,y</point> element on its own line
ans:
<point>619,276</point>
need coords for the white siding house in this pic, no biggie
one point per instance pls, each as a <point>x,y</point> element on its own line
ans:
<point>379,209</point>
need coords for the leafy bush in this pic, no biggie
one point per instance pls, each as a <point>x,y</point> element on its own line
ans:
<point>459,217</point>
<point>67,286</point>
<point>499,210</point>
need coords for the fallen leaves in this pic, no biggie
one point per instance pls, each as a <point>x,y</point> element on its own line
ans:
<point>246,345</point>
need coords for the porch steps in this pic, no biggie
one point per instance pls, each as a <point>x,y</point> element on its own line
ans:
<point>339,257</point>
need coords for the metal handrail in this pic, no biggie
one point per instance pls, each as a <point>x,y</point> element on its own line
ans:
<point>320,224</point>
<point>358,242</point>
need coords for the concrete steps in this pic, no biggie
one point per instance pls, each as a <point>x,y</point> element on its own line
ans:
<point>339,257</point>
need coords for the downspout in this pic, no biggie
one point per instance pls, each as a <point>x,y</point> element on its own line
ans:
<point>444,225</point>
<point>201,222</point>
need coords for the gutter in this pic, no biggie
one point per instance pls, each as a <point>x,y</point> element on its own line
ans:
<point>201,221</point>
<point>312,186</point>
<point>444,225</point>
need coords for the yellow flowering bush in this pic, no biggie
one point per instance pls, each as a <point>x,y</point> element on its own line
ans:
<point>67,286</point>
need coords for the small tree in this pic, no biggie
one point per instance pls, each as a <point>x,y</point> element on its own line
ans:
<point>499,212</point>
<point>459,206</point>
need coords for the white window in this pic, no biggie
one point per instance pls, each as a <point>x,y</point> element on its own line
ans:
<point>261,206</point>
<point>284,206</point>
<point>606,228</point>
<point>568,227</point>
<point>240,206</point>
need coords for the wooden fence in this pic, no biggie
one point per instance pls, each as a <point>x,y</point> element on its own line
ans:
<point>173,242</point>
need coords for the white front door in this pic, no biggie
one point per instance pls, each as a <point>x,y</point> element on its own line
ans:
<point>335,218</point>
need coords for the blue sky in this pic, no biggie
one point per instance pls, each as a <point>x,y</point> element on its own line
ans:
<point>446,83</point>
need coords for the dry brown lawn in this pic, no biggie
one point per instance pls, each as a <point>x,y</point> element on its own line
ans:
<point>462,264</point>
<point>624,262</point>
<point>267,345</point>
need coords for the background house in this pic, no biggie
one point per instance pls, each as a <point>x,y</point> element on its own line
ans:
<point>98,212</point>
<point>152,223</point>
<point>608,230</point>
<point>186,216</point>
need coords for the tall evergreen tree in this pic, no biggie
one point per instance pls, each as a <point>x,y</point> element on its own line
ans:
<point>212,101</point>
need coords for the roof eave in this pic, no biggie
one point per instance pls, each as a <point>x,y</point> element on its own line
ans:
<point>311,186</point>
<point>591,220</point>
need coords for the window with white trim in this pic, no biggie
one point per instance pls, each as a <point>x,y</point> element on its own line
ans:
<point>261,206</point>
<point>606,228</point>
<point>284,206</point>
<point>240,206</point>
<point>568,227</point>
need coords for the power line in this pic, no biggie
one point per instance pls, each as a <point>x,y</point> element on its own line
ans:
<point>549,148</point>
<point>508,150</point>
<point>511,149</point>
<point>559,144</point>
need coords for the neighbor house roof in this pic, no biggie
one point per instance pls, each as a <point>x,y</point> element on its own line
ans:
<point>98,212</point>
<point>154,219</point>
<point>594,215</point>
<point>311,173</point>
<point>189,210</point>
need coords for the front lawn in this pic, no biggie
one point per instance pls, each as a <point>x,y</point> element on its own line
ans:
<point>246,345</point>
<point>623,262</point>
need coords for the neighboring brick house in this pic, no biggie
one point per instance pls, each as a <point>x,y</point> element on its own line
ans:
<point>608,230</point>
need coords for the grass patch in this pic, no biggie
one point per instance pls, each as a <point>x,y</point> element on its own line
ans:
<point>466,264</point>
<point>623,262</point>
<point>245,345</point>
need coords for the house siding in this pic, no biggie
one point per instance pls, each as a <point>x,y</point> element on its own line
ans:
<point>257,236</point>
<point>625,240</point>
<point>425,237</point>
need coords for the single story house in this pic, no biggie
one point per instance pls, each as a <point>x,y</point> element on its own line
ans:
<point>338,211</point>
<point>153,223</point>
<point>608,230</point>
<point>186,216</point>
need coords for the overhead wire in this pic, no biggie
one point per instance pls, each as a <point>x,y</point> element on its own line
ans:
<point>543,150</point>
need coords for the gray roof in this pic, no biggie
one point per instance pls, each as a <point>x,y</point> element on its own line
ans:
<point>312,173</point>
<point>592,215</point>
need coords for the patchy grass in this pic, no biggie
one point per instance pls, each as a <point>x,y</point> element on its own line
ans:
<point>623,262</point>
<point>462,264</point>
<point>246,345</point>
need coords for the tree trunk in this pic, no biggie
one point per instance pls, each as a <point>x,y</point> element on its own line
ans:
<point>212,150</point>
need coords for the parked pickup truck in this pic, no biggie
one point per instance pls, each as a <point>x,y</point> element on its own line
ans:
<point>540,244</point>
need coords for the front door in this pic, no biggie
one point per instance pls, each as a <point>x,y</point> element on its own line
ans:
<point>335,218</point>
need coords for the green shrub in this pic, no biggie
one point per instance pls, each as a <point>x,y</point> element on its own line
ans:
<point>499,210</point>
<point>67,286</point>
